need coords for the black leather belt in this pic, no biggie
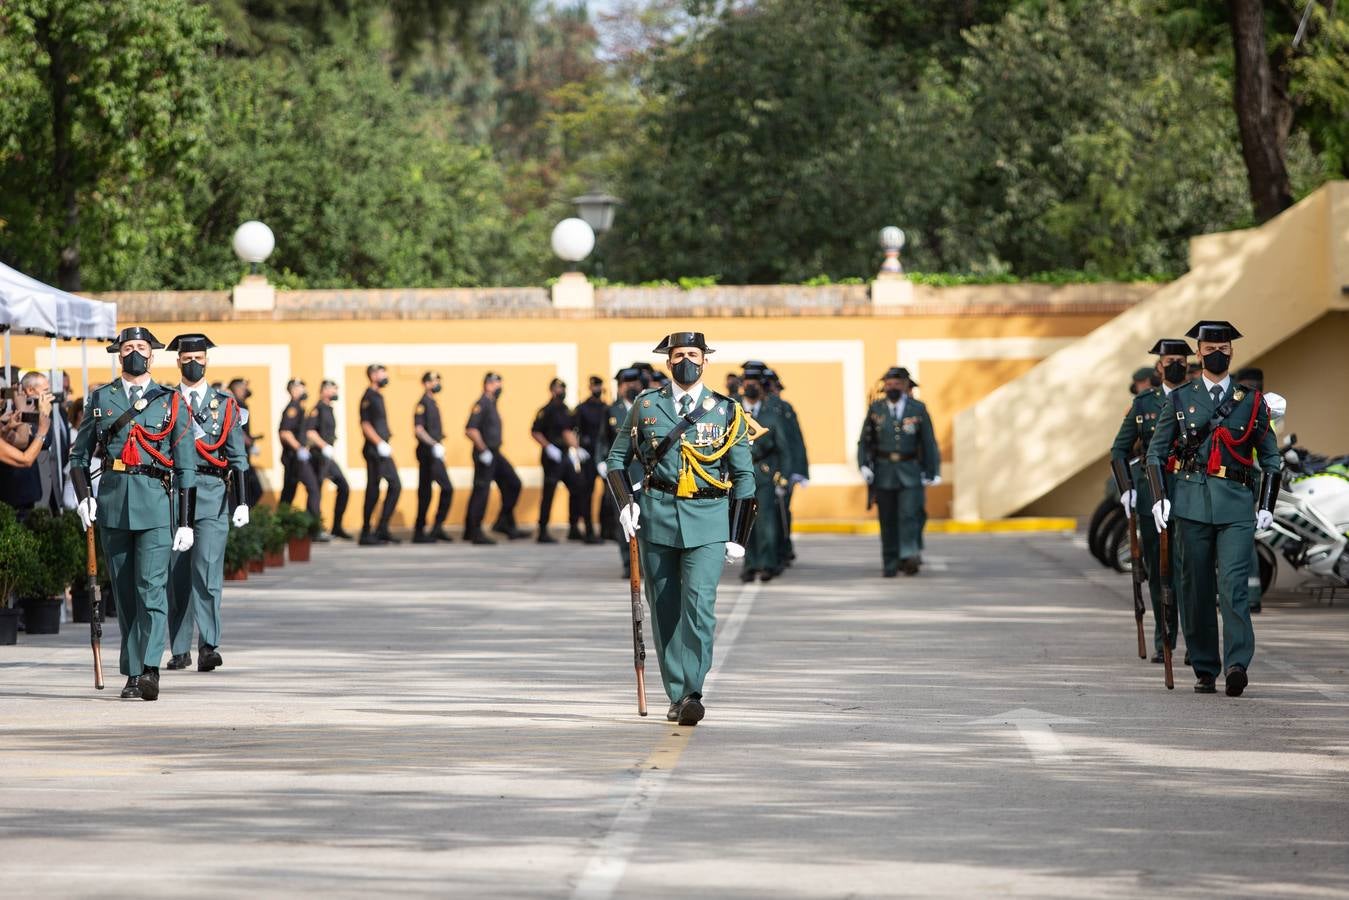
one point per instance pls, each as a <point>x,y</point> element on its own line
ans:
<point>1239,474</point>
<point>152,471</point>
<point>901,457</point>
<point>212,470</point>
<point>702,493</point>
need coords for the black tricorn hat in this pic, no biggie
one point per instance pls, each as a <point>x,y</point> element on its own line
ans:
<point>134,333</point>
<point>190,343</point>
<point>1171,347</point>
<point>756,372</point>
<point>1213,331</point>
<point>899,372</point>
<point>631,373</point>
<point>754,364</point>
<point>682,339</point>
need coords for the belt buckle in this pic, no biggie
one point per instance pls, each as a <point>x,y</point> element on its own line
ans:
<point>118,465</point>
<point>1222,472</point>
<point>894,457</point>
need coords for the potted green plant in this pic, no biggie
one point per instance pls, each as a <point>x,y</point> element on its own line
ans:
<point>273,536</point>
<point>241,546</point>
<point>299,526</point>
<point>18,559</point>
<point>43,592</point>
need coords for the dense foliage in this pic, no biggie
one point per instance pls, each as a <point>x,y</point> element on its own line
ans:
<point>435,142</point>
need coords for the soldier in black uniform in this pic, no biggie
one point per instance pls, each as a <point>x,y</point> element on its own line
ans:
<point>378,459</point>
<point>591,418</point>
<point>431,463</point>
<point>321,432</point>
<point>294,454</point>
<point>252,484</point>
<point>484,430</point>
<point>554,430</point>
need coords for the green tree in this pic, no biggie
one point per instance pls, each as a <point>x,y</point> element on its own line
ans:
<point>104,115</point>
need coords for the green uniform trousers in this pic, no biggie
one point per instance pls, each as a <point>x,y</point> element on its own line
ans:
<point>1215,564</point>
<point>764,553</point>
<point>1147,533</point>
<point>902,516</point>
<point>681,589</point>
<point>198,579</point>
<point>138,565</point>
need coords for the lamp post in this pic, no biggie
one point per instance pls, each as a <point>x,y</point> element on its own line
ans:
<point>892,241</point>
<point>572,241</point>
<point>253,242</point>
<point>597,208</point>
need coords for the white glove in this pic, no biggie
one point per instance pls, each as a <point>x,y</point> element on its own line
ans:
<point>627,520</point>
<point>1277,404</point>
<point>780,490</point>
<point>930,482</point>
<point>240,517</point>
<point>552,453</point>
<point>182,539</point>
<point>486,457</point>
<point>303,454</point>
<point>1161,511</point>
<point>327,451</point>
<point>1263,519</point>
<point>438,451</point>
<point>1128,500</point>
<point>800,481</point>
<point>603,468</point>
<point>88,511</point>
<point>584,454</point>
<point>734,552</point>
<point>255,450</point>
<point>867,475</point>
<point>383,449</point>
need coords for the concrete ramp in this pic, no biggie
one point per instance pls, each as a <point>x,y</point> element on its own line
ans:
<point>1037,431</point>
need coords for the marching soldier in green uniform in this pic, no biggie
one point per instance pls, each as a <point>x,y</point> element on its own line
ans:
<point>144,507</point>
<point>629,382</point>
<point>797,464</point>
<point>769,455</point>
<point>693,514</point>
<point>898,457</point>
<point>1214,436</point>
<point>1126,461</point>
<point>197,574</point>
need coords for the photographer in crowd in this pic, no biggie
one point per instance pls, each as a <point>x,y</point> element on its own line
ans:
<point>25,426</point>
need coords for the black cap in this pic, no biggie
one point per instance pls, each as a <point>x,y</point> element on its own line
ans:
<point>754,364</point>
<point>1171,347</point>
<point>190,343</point>
<point>631,373</point>
<point>134,333</point>
<point>1215,332</point>
<point>682,339</point>
<point>899,372</point>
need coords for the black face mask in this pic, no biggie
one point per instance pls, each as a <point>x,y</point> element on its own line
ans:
<point>753,392</point>
<point>304,395</point>
<point>595,392</point>
<point>435,389</point>
<point>893,394</point>
<point>332,399</point>
<point>631,393</point>
<point>1174,372</point>
<point>1217,362</point>
<point>496,395</point>
<point>194,371</point>
<point>247,394</point>
<point>135,363</point>
<point>686,372</point>
<point>382,382</point>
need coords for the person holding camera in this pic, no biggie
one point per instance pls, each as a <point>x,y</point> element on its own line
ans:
<point>147,493</point>
<point>23,433</point>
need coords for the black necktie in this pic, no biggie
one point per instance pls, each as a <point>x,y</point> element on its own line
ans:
<point>1217,393</point>
<point>134,393</point>
<point>685,404</point>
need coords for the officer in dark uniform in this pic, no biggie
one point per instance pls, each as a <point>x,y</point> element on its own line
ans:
<point>294,454</point>
<point>378,459</point>
<point>591,418</point>
<point>554,430</point>
<point>252,484</point>
<point>489,465</point>
<point>629,386</point>
<point>431,463</point>
<point>768,453</point>
<point>796,461</point>
<point>320,430</point>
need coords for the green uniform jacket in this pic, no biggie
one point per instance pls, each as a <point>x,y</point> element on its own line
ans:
<point>1198,496</point>
<point>771,450</point>
<point>666,520</point>
<point>212,498</point>
<point>127,501</point>
<point>1133,437</point>
<point>790,440</point>
<point>901,452</point>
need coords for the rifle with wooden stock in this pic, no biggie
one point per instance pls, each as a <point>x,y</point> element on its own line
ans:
<point>620,486</point>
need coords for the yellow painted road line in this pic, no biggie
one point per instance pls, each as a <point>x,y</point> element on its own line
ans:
<point>943,526</point>
<point>605,870</point>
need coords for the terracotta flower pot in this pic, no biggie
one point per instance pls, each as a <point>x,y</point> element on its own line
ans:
<point>237,575</point>
<point>256,565</point>
<point>298,549</point>
<point>275,560</point>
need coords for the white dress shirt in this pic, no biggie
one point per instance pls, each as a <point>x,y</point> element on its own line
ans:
<point>897,408</point>
<point>677,395</point>
<point>1210,385</point>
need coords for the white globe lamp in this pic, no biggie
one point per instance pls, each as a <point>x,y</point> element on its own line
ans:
<point>572,241</point>
<point>253,243</point>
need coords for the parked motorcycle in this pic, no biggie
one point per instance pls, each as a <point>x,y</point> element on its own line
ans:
<point>1311,518</point>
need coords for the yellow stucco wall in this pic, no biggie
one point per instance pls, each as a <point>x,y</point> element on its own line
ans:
<point>828,363</point>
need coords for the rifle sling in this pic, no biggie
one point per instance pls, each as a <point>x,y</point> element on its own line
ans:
<point>1192,444</point>
<point>127,415</point>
